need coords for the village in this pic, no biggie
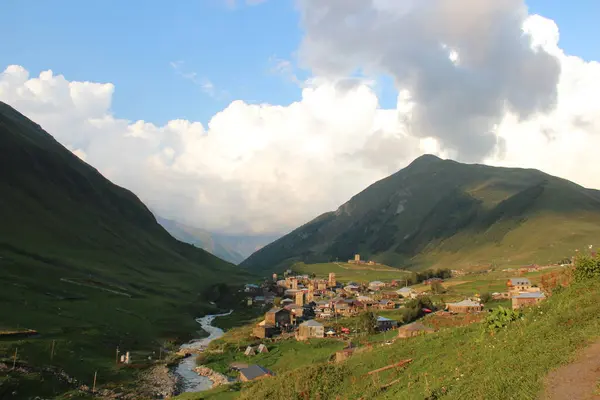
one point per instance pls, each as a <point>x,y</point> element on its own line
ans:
<point>304,307</point>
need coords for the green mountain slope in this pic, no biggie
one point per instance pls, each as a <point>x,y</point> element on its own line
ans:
<point>85,263</point>
<point>446,214</point>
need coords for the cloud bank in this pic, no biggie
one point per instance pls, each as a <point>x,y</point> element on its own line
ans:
<point>488,86</point>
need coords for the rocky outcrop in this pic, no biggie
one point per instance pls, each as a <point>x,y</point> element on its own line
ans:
<point>216,378</point>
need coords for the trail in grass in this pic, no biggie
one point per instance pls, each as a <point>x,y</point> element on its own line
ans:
<point>191,381</point>
<point>578,380</point>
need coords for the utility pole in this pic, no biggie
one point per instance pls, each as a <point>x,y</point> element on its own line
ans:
<point>52,350</point>
<point>15,358</point>
<point>94,384</point>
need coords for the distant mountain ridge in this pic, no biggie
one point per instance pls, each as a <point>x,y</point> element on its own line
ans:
<point>443,213</point>
<point>200,238</point>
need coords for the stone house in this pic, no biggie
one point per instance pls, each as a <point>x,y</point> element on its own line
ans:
<point>465,306</point>
<point>386,304</point>
<point>414,329</point>
<point>310,329</point>
<point>376,285</point>
<point>406,293</point>
<point>516,285</point>
<point>278,317</point>
<point>385,324</point>
<point>264,330</point>
<point>527,299</point>
<point>254,372</point>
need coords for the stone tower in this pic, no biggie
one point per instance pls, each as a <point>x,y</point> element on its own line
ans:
<point>332,281</point>
<point>300,298</point>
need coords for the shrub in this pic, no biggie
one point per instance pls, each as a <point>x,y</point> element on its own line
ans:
<point>485,297</point>
<point>500,318</point>
<point>437,288</point>
<point>587,267</point>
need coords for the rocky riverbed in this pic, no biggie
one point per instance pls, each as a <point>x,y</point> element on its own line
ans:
<point>189,379</point>
<point>216,378</point>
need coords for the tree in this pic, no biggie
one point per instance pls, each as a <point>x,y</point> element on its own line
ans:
<point>437,288</point>
<point>485,297</point>
<point>367,322</point>
<point>277,301</point>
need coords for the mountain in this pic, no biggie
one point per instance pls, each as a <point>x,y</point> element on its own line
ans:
<point>232,248</point>
<point>85,263</point>
<point>201,238</point>
<point>441,213</point>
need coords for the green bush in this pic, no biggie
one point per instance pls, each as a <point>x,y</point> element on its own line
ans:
<point>500,318</point>
<point>587,267</point>
<point>485,297</point>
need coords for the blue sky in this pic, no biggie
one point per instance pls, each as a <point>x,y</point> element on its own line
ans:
<point>133,43</point>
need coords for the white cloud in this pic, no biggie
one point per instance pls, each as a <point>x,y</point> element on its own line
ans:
<point>270,168</point>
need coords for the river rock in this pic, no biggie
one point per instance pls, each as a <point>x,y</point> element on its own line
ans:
<point>216,378</point>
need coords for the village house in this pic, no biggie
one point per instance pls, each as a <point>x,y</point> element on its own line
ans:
<point>517,285</point>
<point>390,295</point>
<point>251,288</point>
<point>345,307</point>
<point>295,309</point>
<point>263,330</point>
<point>287,302</point>
<point>310,329</point>
<point>376,285</point>
<point>432,280</point>
<point>500,296</point>
<point>414,329</point>
<point>278,317</point>
<point>385,324</point>
<point>254,372</point>
<point>323,309</point>
<point>465,306</point>
<point>259,299</point>
<point>406,292</point>
<point>386,304</point>
<point>527,299</point>
<point>365,300</point>
<point>352,288</point>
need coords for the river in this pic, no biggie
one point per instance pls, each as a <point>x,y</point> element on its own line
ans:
<point>191,381</point>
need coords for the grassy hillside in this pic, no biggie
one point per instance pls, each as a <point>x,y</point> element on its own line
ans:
<point>441,213</point>
<point>84,263</point>
<point>345,272</point>
<point>454,363</point>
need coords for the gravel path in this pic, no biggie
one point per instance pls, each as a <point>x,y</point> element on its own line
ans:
<point>579,380</point>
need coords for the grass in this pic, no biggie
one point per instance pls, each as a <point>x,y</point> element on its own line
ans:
<point>345,272</point>
<point>494,281</point>
<point>463,362</point>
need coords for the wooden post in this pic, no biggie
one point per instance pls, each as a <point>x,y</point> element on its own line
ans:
<point>52,350</point>
<point>15,358</point>
<point>94,384</point>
